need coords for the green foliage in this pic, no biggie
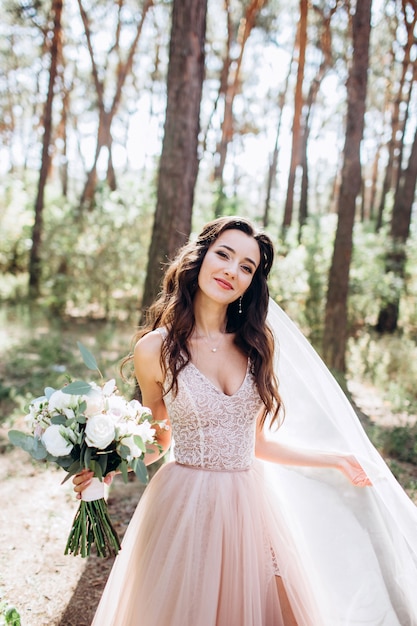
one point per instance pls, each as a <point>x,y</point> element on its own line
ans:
<point>96,261</point>
<point>9,615</point>
<point>299,276</point>
<point>48,355</point>
<point>401,443</point>
<point>389,363</point>
<point>93,263</point>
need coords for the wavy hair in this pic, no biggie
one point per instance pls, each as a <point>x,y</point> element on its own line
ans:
<point>173,310</point>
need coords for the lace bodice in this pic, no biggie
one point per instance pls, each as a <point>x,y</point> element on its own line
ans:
<point>211,429</point>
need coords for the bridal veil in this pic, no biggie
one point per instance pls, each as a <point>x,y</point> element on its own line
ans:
<point>358,544</point>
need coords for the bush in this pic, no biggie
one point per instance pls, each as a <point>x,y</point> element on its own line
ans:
<point>401,443</point>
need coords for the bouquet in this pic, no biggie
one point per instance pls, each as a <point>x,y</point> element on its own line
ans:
<point>86,425</point>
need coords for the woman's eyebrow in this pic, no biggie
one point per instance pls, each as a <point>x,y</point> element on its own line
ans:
<point>248,259</point>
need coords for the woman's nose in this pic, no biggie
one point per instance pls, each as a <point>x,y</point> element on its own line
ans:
<point>231,269</point>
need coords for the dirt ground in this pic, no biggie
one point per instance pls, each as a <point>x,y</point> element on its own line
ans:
<point>47,587</point>
<point>36,511</point>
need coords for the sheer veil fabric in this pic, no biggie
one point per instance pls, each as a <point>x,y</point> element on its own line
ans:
<point>358,545</point>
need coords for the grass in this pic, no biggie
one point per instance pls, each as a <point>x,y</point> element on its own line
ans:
<point>46,354</point>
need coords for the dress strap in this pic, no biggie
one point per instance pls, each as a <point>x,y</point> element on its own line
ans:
<point>162,331</point>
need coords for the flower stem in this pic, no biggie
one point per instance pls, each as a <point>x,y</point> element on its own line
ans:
<point>92,527</point>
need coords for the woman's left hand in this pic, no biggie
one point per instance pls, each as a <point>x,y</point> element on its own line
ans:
<point>354,472</point>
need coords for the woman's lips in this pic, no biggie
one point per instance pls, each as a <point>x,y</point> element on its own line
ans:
<point>223,283</point>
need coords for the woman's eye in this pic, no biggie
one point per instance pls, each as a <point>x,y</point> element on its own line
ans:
<point>247,269</point>
<point>222,254</point>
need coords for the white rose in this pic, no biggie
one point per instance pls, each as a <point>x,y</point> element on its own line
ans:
<point>117,407</point>
<point>94,400</point>
<point>99,431</point>
<point>55,443</point>
<point>63,403</point>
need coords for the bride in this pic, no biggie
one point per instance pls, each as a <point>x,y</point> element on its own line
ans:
<point>275,509</point>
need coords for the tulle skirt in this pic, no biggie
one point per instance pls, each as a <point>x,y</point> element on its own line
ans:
<point>203,549</point>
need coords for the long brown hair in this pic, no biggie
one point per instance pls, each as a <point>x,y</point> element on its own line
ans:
<point>173,310</point>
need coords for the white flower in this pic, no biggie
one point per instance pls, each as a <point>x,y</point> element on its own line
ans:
<point>99,431</point>
<point>94,400</point>
<point>109,387</point>
<point>145,431</point>
<point>63,403</point>
<point>117,407</point>
<point>138,410</point>
<point>134,451</point>
<point>54,441</point>
<point>38,415</point>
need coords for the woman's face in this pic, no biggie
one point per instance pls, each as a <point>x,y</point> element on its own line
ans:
<point>228,267</point>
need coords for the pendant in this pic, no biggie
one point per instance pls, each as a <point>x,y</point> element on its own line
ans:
<point>214,349</point>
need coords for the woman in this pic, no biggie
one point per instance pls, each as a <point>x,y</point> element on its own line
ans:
<point>213,542</point>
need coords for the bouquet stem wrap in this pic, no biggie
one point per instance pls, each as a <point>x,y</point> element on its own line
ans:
<point>92,525</point>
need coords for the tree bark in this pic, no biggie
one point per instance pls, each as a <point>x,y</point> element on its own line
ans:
<point>400,230</point>
<point>298,107</point>
<point>178,166</point>
<point>325,45</point>
<point>35,253</point>
<point>232,88</point>
<point>106,115</point>
<point>335,332</point>
<point>396,144</point>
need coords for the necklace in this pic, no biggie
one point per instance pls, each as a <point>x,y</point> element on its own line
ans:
<point>211,347</point>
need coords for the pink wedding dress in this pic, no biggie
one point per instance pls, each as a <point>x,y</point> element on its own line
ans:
<point>215,526</point>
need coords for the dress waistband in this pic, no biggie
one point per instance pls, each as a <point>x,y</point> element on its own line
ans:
<point>214,469</point>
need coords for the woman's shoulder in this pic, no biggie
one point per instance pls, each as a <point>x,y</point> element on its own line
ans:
<point>147,356</point>
<point>150,345</point>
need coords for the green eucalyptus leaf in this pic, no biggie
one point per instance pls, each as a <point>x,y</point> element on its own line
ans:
<point>141,471</point>
<point>88,358</point>
<point>96,468</point>
<point>39,452</point>
<point>73,469</point>
<point>58,419</point>
<point>49,391</point>
<point>77,388</point>
<point>124,451</point>
<point>139,442</point>
<point>124,471</point>
<point>63,461</point>
<point>88,455</point>
<point>102,462</point>
<point>22,440</point>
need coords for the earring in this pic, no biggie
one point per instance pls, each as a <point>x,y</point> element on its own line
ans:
<point>240,305</point>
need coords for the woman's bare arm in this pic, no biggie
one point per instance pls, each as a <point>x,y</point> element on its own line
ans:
<point>149,375</point>
<point>287,455</point>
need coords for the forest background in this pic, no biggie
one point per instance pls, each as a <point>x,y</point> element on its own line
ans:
<point>127,125</point>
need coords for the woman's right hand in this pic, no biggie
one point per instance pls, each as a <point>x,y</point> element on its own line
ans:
<point>81,481</point>
<point>84,478</point>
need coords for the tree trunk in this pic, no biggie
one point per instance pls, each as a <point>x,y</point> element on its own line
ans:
<point>400,230</point>
<point>106,116</point>
<point>35,253</point>
<point>335,332</point>
<point>395,145</point>
<point>325,44</point>
<point>298,107</point>
<point>273,163</point>
<point>232,87</point>
<point>178,166</point>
